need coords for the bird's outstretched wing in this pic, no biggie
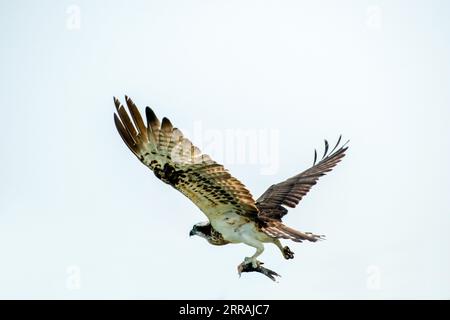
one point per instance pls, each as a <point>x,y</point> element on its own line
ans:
<point>176,161</point>
<point>289,192</point>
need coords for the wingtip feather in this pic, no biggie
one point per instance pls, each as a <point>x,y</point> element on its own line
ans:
<point>150,115</point>
<point>116,103</point>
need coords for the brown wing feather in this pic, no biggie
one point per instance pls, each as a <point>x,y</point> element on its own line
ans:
<point>289,192</point>
<point>137,119</point>
<point>176,161</point>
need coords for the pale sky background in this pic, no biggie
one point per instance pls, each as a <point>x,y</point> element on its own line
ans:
<point>80,217</point>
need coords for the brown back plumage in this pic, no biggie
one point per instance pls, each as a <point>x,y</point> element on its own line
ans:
<point>289,192</point>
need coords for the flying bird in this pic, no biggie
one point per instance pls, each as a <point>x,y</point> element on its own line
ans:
<point>233,214</point>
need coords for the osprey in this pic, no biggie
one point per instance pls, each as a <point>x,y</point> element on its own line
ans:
<point>233,215</point>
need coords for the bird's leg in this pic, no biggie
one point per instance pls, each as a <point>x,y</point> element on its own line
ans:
<point>287,253</point>
<point>259,250</point>
<point>250,264</point>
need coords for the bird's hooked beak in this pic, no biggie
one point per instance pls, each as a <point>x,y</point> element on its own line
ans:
<point>192,233</point>
<point>240,268</point>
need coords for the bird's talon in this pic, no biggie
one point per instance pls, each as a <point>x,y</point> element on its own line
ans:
<point>287,253</point>
<point>249,267</point>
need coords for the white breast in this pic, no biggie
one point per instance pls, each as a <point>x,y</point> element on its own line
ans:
<point>236,228</point>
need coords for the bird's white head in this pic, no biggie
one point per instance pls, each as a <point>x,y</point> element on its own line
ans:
<point>201,229</point>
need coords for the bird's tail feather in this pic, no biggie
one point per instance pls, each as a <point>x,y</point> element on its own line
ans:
<point>279,230</point>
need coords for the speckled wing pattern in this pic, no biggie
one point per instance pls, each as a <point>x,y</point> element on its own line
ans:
<point>176,161</point>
